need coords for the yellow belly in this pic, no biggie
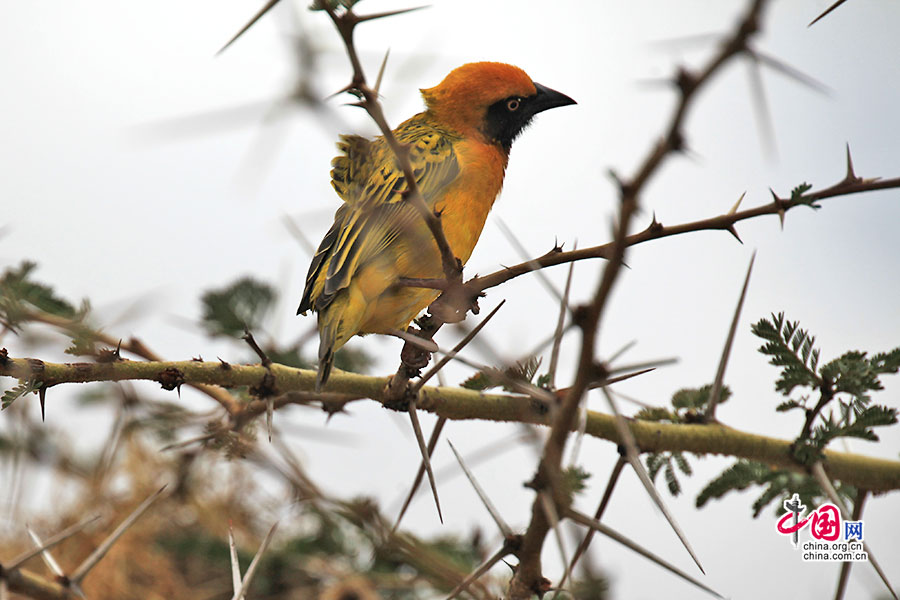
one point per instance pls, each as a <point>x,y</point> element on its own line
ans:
<point>464,207</point>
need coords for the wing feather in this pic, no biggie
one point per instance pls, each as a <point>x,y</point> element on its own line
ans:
<point>371,184</point>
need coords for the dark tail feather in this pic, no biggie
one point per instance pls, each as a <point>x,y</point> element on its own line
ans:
<point>327,336</point>
<point>326,360</point>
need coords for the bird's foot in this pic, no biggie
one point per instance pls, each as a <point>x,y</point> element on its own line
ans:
<point>414,357</point>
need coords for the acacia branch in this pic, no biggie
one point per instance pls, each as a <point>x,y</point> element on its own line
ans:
<point>133,345</point>
<point>656,230</point>
<point>528,578</point>
<point>874,474</point>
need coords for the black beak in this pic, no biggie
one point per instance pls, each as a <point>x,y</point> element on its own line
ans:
<point>547,99</point>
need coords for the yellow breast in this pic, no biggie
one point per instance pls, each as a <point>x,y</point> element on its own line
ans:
<point>464,206</point>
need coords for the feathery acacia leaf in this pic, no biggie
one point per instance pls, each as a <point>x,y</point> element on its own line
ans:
<point>242,305</point>
<point>791,348</point>
<point>16,392</point>
<point>523,371</point>
<point>19,293</point>
<point>797,196</point>
<point>778,483</point>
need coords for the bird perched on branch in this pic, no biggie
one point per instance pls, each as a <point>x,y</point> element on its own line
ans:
<point>458,149</point>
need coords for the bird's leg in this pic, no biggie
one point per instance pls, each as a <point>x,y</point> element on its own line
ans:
<point>413,358</point>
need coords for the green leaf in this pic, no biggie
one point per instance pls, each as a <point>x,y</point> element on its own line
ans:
<point>800,190</point>
<point>797,196</point>
<point>790,348</point>
<point>656,413</point>
<point>479,382</point>
<point>491,377</point>
<point>575,478</point>
<point>671,479</point>
<point>14,393</point>
<point>788,405</point>
<point>19,293</point>
<point>739,476</point>
<point>698,398</point>
<point>683,465</point>
<point>654,461</point>
<point>242,305</point>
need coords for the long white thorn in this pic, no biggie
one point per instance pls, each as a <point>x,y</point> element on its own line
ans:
<point>505,529</point>
<point>91,561</point>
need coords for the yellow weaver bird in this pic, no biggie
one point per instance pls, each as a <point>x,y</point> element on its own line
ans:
<point>459,148</point>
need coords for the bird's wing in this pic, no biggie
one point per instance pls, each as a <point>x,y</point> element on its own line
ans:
<point>374,211</point>
<point>351,168</point>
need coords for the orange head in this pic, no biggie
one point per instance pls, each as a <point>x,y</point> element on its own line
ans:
<point>491,100</point>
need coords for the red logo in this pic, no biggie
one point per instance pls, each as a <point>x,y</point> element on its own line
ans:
<point>824,522</point>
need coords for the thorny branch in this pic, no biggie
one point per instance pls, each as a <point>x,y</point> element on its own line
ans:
<point>134,346</point>
<point>529,576</point>
<point>876,475</point>
<point>656,230</point>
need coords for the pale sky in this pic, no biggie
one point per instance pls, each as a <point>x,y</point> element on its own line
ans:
<point>119,197</point>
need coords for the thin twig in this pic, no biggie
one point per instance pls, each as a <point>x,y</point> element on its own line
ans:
<point>553,518</point>
<point>524,255</point>
<point>345,23</point>
<point>656,230</point>
<point>527,578</point>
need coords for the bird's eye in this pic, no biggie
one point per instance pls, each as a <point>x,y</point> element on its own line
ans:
<point>512,104</point>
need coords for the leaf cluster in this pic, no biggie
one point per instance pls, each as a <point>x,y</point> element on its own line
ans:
<point>790,348</point>
<point>523,371</point>
<point>844,386</point>
<point>778,483</point>
<point>797,196</point>
<point>248,304</point>
<point>17,391</point>
<point>240,306</point>
<point>20,294</point>
<point>688,406</point>
<point>842,407</point>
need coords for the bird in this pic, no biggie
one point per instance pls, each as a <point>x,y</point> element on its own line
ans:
<point>459,148</point>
